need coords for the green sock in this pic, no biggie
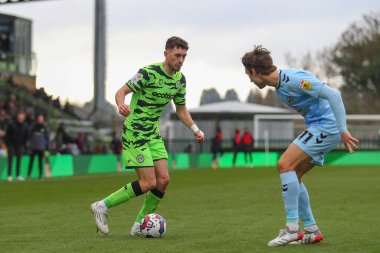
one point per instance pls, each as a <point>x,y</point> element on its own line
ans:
<point>150,205</point>
<point>120,196</point>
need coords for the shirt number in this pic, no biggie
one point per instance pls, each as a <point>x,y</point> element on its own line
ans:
<point>307,138</point>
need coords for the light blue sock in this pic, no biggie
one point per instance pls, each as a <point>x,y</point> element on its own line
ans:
<point>304,207</point>
<point>290,193</point>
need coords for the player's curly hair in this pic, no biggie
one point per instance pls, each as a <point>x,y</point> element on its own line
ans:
<point>174,42</point>
<point>259,60</point>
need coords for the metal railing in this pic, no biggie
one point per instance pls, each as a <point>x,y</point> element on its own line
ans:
<point>182,145</point>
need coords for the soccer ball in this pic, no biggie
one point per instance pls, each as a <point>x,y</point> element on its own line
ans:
<point>152,226</point>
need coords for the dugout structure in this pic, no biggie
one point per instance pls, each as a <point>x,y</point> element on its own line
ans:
<point>228,115</point>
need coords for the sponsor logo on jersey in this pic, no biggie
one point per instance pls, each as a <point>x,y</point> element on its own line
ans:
<point>177,84</point>
<point>135,78</point>
<point>305,85</point>
<point>140,158</point>
<point>290,100</point>
<point>163,95</point>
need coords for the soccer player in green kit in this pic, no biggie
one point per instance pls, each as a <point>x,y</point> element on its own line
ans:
<point>153,87</point>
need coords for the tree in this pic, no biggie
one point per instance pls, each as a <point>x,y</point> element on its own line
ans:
<point>353,65</point>
<point>254,96</point>
<point>251,97</point>
<point>357,58</point>
<point>271,99</point>
<point>231,95</point>
<point>69,109</point>
<point>210,96</point>
<point>357,55</point>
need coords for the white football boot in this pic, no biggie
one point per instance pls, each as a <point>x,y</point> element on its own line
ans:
<point>101,217</point>
<point>285,236</point>
<point>312,237</point>
<point>135,230</point>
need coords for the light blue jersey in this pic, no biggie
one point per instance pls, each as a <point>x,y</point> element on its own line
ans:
<point>320,105</point>
<point>301,90</point>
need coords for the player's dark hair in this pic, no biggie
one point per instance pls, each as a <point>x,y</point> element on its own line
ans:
<point>174,42</point>
<point>259,60</point>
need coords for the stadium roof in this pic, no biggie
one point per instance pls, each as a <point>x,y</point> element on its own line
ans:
<point>235,107</point>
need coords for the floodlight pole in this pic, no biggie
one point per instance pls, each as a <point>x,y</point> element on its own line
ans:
<point>100,55</point>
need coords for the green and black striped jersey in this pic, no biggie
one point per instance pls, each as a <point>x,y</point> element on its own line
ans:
<point>153,88</point>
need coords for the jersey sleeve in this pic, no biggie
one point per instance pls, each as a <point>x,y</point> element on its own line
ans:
<point>336,103</point>
<point>138,81</point>
<point>180,97</point>
<point>306,83</point>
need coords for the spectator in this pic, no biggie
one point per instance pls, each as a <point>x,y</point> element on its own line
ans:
<point>11,106</point>
<point>39,142</point>
<point>216,147</point>
<point>236,145</point>
<point>15,139</point>
<point>117,148</point>
<point>62,137</point>
<point>3,124</point>
<point>82,143</point>
<point>247,141</point>
<point>188,148</point>
<point>100,148</point>
<point>53,149</point>
<point>70,149</point>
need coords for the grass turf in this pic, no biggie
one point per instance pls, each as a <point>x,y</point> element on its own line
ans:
<point>206,211</point>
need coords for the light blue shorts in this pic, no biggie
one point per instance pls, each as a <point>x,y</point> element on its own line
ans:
<point>316,143</point>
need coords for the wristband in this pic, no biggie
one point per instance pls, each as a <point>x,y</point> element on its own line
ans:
<point>194,128</point>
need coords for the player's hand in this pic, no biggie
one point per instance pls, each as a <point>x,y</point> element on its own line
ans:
<point>200,136</point>
<point>349,141</point>
<point>124,109</point>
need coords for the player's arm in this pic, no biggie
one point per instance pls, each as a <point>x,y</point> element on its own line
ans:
<point>336,103</point>
<point>184,115</point>
<point>124,109</point>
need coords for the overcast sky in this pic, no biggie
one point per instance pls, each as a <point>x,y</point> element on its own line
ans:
<point>219,33</point>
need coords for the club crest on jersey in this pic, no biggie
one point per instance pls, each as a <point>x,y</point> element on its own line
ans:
<point>140,158</point>
<point>305,85</point>
<point>177,84</point>
<point>136,78</point>
<point>290,100</point>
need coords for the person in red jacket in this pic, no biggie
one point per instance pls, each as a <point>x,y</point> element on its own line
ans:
<point>247,141</point>
<point>236,145</point>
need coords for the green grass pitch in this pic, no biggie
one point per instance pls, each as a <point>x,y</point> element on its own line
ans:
<point>236,210</point>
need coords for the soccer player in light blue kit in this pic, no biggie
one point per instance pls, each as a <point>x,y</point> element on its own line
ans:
<point>325,119</point>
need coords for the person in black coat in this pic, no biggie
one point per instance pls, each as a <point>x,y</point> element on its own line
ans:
<point>39,142</point>
<point>16,137</point>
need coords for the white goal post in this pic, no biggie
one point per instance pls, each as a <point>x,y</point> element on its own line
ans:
<point>285,127</point>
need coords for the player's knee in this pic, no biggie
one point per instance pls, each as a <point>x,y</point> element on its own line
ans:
<point>283,166</point>
<point>149,184</point>
<point>163,181</point>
